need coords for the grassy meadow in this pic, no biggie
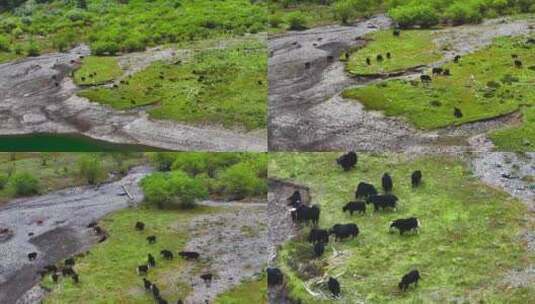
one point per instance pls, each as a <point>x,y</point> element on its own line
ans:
<point>483,85</point>
<point>95,70</point>
<point>468,242</point>
<point>218,86</point>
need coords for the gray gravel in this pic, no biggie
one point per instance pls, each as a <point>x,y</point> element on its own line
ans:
<point>58,222</point>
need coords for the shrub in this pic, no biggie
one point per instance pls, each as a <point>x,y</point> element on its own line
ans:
<point>33,49</point>
<point>462,12</point>
<point>296,21</point>
<point>344,10</point>
<point>3,181</point>
<point>191,163</point>
<point>4,44</point>
<point>163,161</point>
<point>17,32</point>
<point>275,21</point>
<point>240,181</point>
<point>23,184</point>
<point>90,168</point>
<point>414,15</point>
<point>133,44</point>
<point>19,49</point>
<point>175,189</point>
<point>104,48</point>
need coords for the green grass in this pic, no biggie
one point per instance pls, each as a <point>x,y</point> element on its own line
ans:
<point>314,15</point>
<point>108,273</point>
<point>254,291</point>
<point>60,171</point>
<point>131,26</point>
<point>468,240</point>
<point>412,48</point>
<point>217,86</point>
<point>97,70</point>
<point>432,106</point>
<point>517,139</point>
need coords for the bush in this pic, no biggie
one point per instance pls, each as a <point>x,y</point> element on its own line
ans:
<point>462,12</point>
<point>344,10</point>
<point>90,168</point>
<point>33,49</point>
<point>19,49</point>
<point>174,189</point>
<point>4,44</point>
<point>275,21</point>
<point>240,181</point>
<point>296,21</point>
<point>23,184</point>
<point>104,48</point>
<point>191,163</point>
<point>17,32</point>
<point>3,181</point>
<point>422,15</point>
<point>163,161</point>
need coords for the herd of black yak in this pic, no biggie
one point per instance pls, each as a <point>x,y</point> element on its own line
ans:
<point>365,194</point>
<point>66,270</point>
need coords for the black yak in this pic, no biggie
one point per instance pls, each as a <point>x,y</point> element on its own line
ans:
<point>457,112</point>
<point>409,278</point>
<point>166,254</point>
<point>151,261</point>
<point>142,269</point>
<point>355,206</point>
<point>318,236</point>
<point>364,190</point>
<point>140,226</point>
<point>151,239</point>
<point>387,183</point>
<point>334,287</point>
<point>404,225</point>
<point>319,248</point>
<point>295,199</point>
<point>32,256</point>
<point>416,178</point>
<point>189,255</point>
<point>274,276</point>
<point>342,231</point>
<point>382,201</point>
<point>347,161</point>
<point>306,214</point>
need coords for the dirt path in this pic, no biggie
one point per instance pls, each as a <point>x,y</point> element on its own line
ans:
<point>32,101</point>
<point>233,245</point>
<point>307,112</point>
<point>54,226</point>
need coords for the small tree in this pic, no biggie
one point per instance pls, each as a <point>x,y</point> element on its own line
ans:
<point>90,168</point>
<point>296,21</point>
<point>240,181</point>
<point>23,184</point>
<point>175,188</point>
<point>163,161</point>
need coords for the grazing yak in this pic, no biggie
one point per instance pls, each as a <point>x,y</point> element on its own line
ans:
<point>364,190</point>
<point>155,290</point>
<point>388,55</point>
<point>92,224</point>
<point>382,201</point>
<point>151,261</point>
<point>457,59</point>
<point>140,226</point>
<point>147,284</point>
<point>405,225</point>
<point>387,183</point>
<point>69,262</point>
<point>342,231</point>
<point>416,178</point>
<point>55,277</point>
<point>425,79</point>
<point>347,161</point>
<point>318,236</point>
<point>409,278</point>
<point>306,214</point>
<point>151,239</point>
<point>334,287</point>
<point>368,61</point>
<point>207,278</point>
<point>274,276</point>
<point>358,206</point>
<point>295,199</point>
<point>319,248</point>
<point>437,71</point>
<point>518,63</point>
<point>189,255</point>
<point>142,269</point>
<point>457,112</point>
<point>396,33</point>
<point>166,254</point>
<point>379,58</point>
<point>98,230</point>
<point>32,256</point>
<point>67,271</point>
<point>75,278</point>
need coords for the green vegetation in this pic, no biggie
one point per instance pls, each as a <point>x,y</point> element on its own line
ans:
<point>232,176</point>
<point>520,138</point>
<point>253,291</point>
<point>469,239</point>
<point>483,85</point>
<point>407,13</point>
<point>108,274</point>
<point>90,168</point>
<point>226,86</point>
<point>24,174</point>
<point>122,26</point>
<point>402,50</point>
<point>97,70</point>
